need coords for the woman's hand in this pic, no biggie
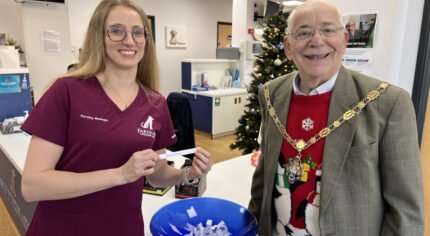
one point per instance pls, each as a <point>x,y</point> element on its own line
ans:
<point>202,164</point>
<point>141,163</point>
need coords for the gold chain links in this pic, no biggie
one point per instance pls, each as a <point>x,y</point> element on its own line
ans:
<point>300,144</point>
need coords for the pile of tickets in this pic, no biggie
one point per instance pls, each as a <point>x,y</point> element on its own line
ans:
<point>210,230</point>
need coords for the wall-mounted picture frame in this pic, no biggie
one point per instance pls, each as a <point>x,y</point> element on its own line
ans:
<point>176,36</point>
<point>152,23</point>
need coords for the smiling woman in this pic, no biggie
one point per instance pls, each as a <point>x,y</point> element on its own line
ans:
<point>111,125</point>
<point>124,45</point>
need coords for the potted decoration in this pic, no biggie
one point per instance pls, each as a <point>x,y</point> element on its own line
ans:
<point>11,42</point>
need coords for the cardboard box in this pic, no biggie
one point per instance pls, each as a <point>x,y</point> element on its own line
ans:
<point>159,191</point>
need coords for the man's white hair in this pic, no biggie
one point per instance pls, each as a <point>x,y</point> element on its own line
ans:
<point>309,4</point>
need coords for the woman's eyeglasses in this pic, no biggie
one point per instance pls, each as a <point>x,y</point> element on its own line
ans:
<point>118,33</point>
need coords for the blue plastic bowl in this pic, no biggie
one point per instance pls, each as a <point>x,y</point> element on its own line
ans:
<point>239,221</point>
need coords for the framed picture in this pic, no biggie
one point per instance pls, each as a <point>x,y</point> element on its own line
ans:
<point>152,23</point>
<point>176,36</point>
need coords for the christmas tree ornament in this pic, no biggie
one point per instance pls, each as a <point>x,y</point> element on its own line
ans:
<point>277,62</point>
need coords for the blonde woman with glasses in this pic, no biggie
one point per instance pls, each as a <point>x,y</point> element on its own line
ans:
<point>99,131</point>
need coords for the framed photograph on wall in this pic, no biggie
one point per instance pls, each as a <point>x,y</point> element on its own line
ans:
<point>152,23</point>
<point>176,36</point>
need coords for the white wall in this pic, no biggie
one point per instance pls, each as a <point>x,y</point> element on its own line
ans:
<point>396,42</point>
<point>398,32</point>
<point>43,67</point>
<point>199,16</point>
<point>11,20</point>
<point>396,45</point>
<point>24,22</point>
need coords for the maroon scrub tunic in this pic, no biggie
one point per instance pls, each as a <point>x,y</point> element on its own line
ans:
<point>78,115</point>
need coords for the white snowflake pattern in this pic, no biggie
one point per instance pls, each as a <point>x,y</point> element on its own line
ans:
<point>307,124</point>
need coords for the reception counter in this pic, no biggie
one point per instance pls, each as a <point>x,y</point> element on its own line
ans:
<point>229,180</point>
<point>13,150</point>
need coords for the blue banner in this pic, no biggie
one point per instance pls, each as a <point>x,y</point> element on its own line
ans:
<point>10,84</point>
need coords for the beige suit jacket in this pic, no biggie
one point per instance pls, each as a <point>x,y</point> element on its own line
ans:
<point>371,180</point>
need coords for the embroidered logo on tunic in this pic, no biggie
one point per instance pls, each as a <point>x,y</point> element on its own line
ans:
<point>148,123</point>
<point>146,128</point>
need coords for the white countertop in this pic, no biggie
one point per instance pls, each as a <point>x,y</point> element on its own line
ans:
<point>229,179</point>
<point>15,147</point>
<point>218,92</point>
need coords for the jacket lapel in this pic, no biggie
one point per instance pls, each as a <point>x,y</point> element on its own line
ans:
<point>337,143</point>
<point>281,96</point>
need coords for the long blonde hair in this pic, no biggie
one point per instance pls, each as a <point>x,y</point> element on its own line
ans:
<point>92,57</point>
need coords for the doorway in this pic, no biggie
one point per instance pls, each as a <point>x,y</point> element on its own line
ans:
<point>425,161</point>
<point>421,102</point>
<point>224,34</point>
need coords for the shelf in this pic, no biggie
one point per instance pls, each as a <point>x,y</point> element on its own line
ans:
<point>13,70</point>
<point>214,70</point>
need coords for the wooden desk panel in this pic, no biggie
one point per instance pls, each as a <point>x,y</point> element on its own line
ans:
<point>425,158</point>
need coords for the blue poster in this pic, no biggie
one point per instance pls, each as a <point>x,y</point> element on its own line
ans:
<point>15,95</point>
<point>10,84</point>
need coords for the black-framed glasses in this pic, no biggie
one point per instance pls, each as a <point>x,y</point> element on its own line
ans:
<point>118,33</point>
<point>307,33</point>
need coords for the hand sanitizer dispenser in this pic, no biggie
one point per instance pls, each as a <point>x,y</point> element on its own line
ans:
<point>24,83</point>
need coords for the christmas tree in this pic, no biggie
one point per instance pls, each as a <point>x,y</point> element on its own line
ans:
<point>270,64</point>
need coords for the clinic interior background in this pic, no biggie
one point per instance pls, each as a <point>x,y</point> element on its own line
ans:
<point>396,42</point>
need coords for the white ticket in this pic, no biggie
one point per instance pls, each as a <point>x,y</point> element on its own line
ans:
<point>178,153</point>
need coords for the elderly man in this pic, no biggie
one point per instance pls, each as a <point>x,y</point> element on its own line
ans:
<point>339,149</point>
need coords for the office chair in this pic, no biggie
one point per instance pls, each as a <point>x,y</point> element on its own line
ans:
<point>180,112</point>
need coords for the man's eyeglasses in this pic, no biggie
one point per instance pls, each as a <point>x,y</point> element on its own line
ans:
<point>117,33</point>
<point>306,33</point>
